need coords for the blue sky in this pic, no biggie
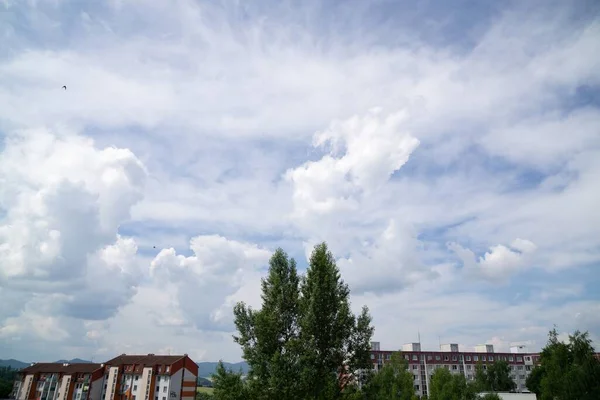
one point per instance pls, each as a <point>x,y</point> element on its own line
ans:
<point>447,151</point>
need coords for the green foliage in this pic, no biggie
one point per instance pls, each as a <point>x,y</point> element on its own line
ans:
<point>228,385</point>
<point>204,396</point>
<point>491,396</point>
<point>534,381</point>
<point>7,378</point>
<point>447,386</point>
<point>496,378</point>
<point>569,371</point>
<point>330,334</point>
<point>304,340</point>
<point>392,382</point>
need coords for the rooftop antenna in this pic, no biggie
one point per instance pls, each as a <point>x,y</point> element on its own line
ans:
<point>419,333</point>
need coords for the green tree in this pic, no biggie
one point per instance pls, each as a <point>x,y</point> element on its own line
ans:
<point>228,385</point>
<point>392,382</point>
<point>491,396</point>
<point>204,396</point>
<point>534,381</point>
<point>447,386</point>
<point>304,342</point>
<point>570,370</point>
<point>7,378</point>
<point>269,336</point>
<point>332,338</point>
<point>495,378</point>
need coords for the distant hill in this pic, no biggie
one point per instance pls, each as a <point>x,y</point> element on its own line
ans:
<point>206,369</point>
<point>15,364</point>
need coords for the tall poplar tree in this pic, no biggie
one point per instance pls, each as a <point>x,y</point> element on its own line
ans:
<point>333,340</point>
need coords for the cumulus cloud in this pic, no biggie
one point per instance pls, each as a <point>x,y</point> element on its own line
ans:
<point>388,264</point>
<point>63,201</point>
<point>482,135</point>
<point>500,262</point>
<point>372,147</point>
<point>201,285</point>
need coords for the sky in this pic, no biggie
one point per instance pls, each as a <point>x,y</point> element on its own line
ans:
<point>447,151</point>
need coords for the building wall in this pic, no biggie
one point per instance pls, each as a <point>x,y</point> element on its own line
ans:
<point>174,392</point>
<point>144,384</point>
<point>111,383</point>
<point>422,364</point>
<point>25,387</point>
<point>95,392</point>
<point>188,391</point>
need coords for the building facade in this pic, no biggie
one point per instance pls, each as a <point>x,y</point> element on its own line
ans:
<point>58,381</point>
<point>423,364</point>
<point>126,377</point>
<point>149,377</point>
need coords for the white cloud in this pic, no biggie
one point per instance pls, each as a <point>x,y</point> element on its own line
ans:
<point>476,141</point>
<point>500,262</point>
<point>64,201</point>
<point>373,146</point>
<point>202,286</point>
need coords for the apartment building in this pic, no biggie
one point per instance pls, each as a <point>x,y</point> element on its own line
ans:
<point>58,381</point>
<point>149,377</point>
<point>423,364</point>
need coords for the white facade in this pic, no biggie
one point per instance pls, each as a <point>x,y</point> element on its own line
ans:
<point>25,388</point>
<point>518,349</point>
<point>450,347</point>
<point>484,348</point>
<point>411,347</point>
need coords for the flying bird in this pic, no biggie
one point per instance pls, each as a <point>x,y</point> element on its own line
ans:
<point>64,87</point>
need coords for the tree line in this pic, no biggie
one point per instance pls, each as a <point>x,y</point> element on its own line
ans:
<point>7,377</point>
<point>305,343</point>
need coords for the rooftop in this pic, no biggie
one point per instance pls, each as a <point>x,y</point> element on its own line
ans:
<point>50,368</point>
<point>145,359</point>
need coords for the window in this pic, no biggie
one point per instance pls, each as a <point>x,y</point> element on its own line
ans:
<point>454,367</point>
<point>519,359</point>
<point>416,387</point>
<point>475,358</point>
<point>372,356</point>
<point>164,398</point>
<point>168,368</point>
<point>134,387</point>
<point>437,358</point>
<point>158,388</point>
<point>527,358</point>
<point>414,357</point>
<point>483,358</point>
<point>491,358</point>
<point>528,367</point>
<point>520,367</point>
<point>521,376</point>
<point>485,367</point>
<point>137,377</point>
<point>469,377</point>
<point>429,357</point>
<point>511,359</point>
<point>164,389</point>
<point>388,356</point>
<point>469,367</point>
<point>468,358</point>
<point>454,358</point>
<point>446,358</point>
<point>415,367</point>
